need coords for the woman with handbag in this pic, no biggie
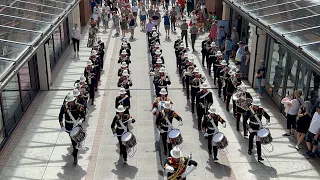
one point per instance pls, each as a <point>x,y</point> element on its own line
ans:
<point>303,123</point>
<point>261,77</point>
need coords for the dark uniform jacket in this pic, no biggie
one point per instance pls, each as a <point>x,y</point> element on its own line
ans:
<point>76,111</point>
<point>124,85</point>
<point>162,83</point>
<point>208,99</point>
<point>116,122</point>
<point>254,124</point>
<point>161,121</point>
<point>127,50</point>
<point>93,75</point>
<point>120,71</point>
<point>207,124</point>
<point>127,60</point>
<point>125,101</point>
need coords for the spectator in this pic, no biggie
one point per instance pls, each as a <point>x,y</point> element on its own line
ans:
<point>221,35</point>
<point>194,34</point>
<point>213,32</point>
<point>228,48</point>
<point>184,31</point>
<point>304,119</point>
<point>132,25</point>
<point>166,23</point>
<point>93,4</point>
<point>294,106</point>
<point>235,40</point>
<point>240,53</point>
<point>261,76</point>
<point>313,134</point>
<point>244,65</point>
<point>76,35</point>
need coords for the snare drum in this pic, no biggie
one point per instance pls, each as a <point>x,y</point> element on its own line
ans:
<point>128,140</point>
<point>264,136</point>
<point>220,140</point>
<point>175,137</point>
<point>77,134</point>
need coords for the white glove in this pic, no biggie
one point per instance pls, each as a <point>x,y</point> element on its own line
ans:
<point>180,123</point>
<point>63,129</point>
<point>154,110</point>
<point>205,134</point>
<point>170,169</point>
<point>250,130</point>
<point>115,135</point>
<point>80,122</point>
<point>161,131</point>
<point>184,175</point>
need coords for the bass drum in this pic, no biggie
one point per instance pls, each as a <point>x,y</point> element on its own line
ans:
<point>264,136</point>
<point>128,140</point>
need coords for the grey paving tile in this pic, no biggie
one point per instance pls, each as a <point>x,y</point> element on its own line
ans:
<point>65,172</point>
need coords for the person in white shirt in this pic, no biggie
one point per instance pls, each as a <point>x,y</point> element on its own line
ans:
<point>135,10</point>
<point>108,10</point>
<point>313,133</point>
<point>97,15</point>
<point>76,35</point>
<point>294,106</point>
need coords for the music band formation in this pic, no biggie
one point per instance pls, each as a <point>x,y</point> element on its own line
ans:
<point>227,78</point>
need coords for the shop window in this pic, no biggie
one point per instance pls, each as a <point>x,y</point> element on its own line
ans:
<point>1,123</point>
<point>275,69</point>
<point>57,42</point>
<point>25,83</point>
<point>314,92</point>
<point>11,97</point>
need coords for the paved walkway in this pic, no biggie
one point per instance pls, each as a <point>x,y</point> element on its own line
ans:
<point>38,150</point>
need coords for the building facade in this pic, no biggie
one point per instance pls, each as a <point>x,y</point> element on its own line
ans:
<point>286,35</point>
<point>34,35</point>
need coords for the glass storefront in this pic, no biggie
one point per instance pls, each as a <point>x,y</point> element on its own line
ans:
<point>58,42</point>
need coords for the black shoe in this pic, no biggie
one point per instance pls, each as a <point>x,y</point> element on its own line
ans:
<point>124,160</point>
<point>75,161</point>
<point>249,152</point>
<point>215,158</point>
<point>192,111</point>
<point>260,159</point>
<point>286,134</point>
<point>210,152</point>
<point>165,153</point>
<point>227,110</point>
<point>237,129</point>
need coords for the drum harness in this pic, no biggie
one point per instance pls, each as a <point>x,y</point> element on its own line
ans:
<point>205,103</point>
<point>216,130</point>
<point>261,126</point>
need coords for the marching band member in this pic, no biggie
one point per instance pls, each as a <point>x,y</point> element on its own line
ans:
<point>177,49</point>
<point>255,114</point>
<point>79,99</point>
<point>123,100</point>
<point>218,57</point>
<point>188,76</point>
<point>99,48</point>
<point>164,124</point>
<point>82,86</point>
<point>221,73</point>
<point>124,58</point>
<point>119,126</point>
<point>177,42</point>
<point>90,75</point>
<point>177,166</point>
<point>162,82</point>
<point>73,112</point>
<point>211,58</point>
<point>204,52</point>
<point>196,81</point>
<point>125,47</point>
<point>156,56</point>
<point>123,67</point>
<point>181,51</point>
<point>210,128</point>
<point>241,112</point>
<point>183,61</point>
<point>203,102</point>
<point>125,82</point>
<point>162,98</point>
<point>232,83</point>
<point>125,41</point>
<point>154,48</point>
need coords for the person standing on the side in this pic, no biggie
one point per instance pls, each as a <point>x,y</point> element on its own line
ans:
<point>173,18</point>
<point>184,31</point>
<point>166,23</point>
<point>294,106</point>
<point>313,134</point>
<point>261,77</point>
<point>76,35</point>
<point>194,34</point>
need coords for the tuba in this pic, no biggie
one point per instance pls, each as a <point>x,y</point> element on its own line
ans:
<point>241,100</point>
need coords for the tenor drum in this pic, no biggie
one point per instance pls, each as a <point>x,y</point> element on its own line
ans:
<point>175,137</point>
<point>77,134</point>
<point>128,140</point>
<point>264,136</point>
<point>220,140</point>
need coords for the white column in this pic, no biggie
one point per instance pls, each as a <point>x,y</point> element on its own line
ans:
<point>257,53</point>
<point>44,67</point>
<point>225,11</point>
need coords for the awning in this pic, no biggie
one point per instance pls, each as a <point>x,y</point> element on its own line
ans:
<point>298,21</point>
<point>22,24</point>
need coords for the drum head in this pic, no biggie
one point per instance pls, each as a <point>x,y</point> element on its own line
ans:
<point>74,131</point>
<point>174,133</point>
<point>218,137</point>
<point>126,136</point>
<point>263,132</point>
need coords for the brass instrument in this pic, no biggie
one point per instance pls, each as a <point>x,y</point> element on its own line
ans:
<point>241,100</point>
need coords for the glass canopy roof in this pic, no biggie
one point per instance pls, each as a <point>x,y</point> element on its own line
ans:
<point>297,20</point>
<point>22,23</point>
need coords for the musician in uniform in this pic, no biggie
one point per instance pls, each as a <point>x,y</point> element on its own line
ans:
<point>162,81</point>
<point>211,58</point>
<point>79,99</point>
<point>125,82</point>
<point>119,126</point>
<point>204,52</point>
<point>203,102</point>
<point>182,50</point>
<point>96,62</point>
<point>178,167</point>
<point>221,75</point>
<point>196,80</point>
<point>240,111</point>
<point>188,76</point>
<point>82,86</point>
<point>232,83</point>
<point>164,97</point>
<point>156,56</point>
<point>99,48</point>
<point>123,100</point>
<point>254,114</point>
<point>123,67</point>
<point>73,114</point>
<point>125,47</point>
<point>164,124</point>
<point>124,58</point>
<point>90,75</point>
<point>125,41</point>
<point>210,128</point>
<point>217,59</point>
